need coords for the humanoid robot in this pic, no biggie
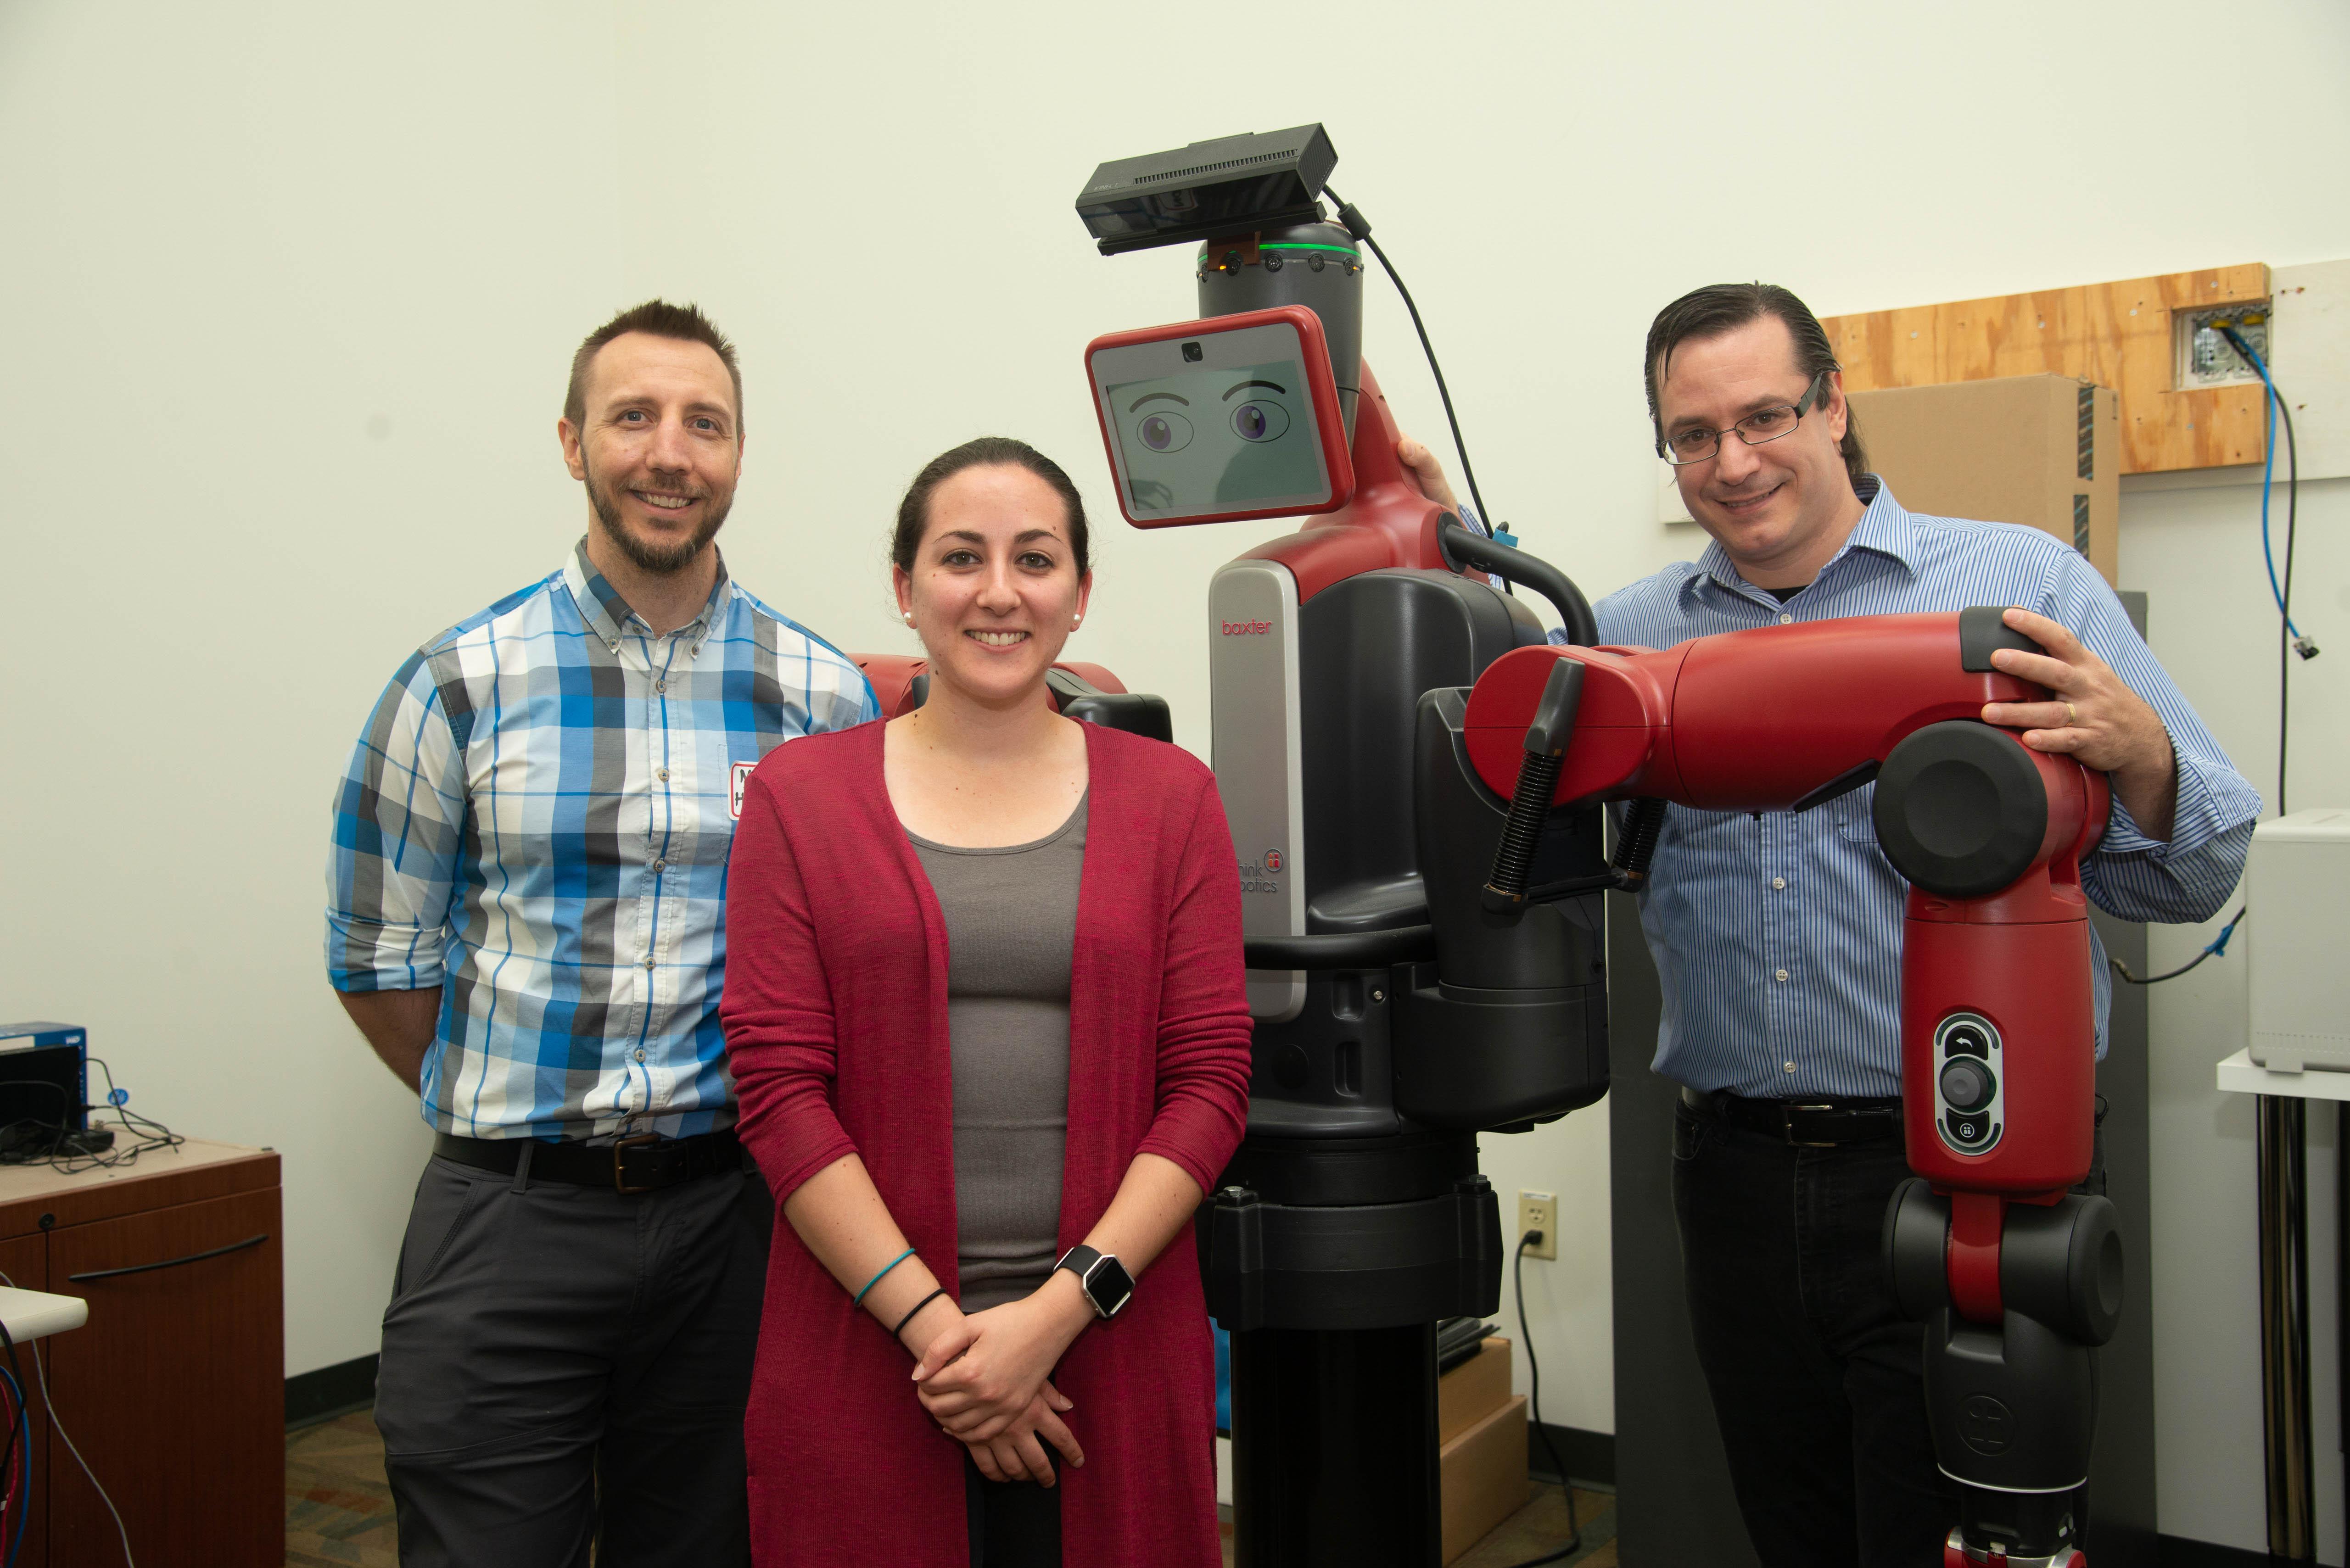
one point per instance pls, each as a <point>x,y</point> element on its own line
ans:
<point>1415,781</point>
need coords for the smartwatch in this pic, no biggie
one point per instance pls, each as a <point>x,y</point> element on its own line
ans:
<point>1104,1279</point>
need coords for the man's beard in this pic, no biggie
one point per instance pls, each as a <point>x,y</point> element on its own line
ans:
<point>659,560</point>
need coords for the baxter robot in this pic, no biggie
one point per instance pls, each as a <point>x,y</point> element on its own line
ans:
<point>1415,783</point>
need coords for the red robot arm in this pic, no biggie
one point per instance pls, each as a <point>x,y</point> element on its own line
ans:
<point>1990,833</point>
<point>2016,1277</point>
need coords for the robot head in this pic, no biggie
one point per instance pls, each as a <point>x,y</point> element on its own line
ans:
<point>1212,421</point>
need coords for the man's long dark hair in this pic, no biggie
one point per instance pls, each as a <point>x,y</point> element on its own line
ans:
<point>1721,307</point>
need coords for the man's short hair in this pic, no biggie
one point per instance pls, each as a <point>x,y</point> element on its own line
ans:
<point>659,316</point>
<point>1722,308</point>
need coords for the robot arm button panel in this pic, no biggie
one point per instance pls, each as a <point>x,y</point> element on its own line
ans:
<point>1414,780</point>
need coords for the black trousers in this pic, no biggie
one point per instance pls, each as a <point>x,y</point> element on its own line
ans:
<point>1815,1375</point>
<point>1013,1525</point>
<point>565,1364</point>
<point>1817,1380</point>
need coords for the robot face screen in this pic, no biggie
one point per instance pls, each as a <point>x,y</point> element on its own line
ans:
<point>1223,429</point>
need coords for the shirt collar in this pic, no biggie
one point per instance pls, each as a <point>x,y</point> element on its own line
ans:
<point>1885,528</point>
<point>608,614</point>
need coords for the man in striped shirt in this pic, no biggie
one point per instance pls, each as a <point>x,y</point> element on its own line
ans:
<point>525,899</point>
<point>1778,936</point>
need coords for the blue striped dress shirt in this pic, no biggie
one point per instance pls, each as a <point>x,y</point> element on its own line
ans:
<point>1778,936</point>
<point>536,821</point>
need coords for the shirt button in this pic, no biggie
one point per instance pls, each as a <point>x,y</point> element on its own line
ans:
<point>661,686</point>
<point>1782,973</point>
<point>648,963</point>
<point>1791,1066</point>
<point>661,866</point>
<point>641,1054</point>
<point>661,773</point>
<point>1778,885</point>
<point>1786,620</point>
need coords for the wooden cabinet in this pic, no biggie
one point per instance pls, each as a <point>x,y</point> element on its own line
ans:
<point>174,1390</point>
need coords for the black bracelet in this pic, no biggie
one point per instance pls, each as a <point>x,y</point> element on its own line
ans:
<point>917,1307</point>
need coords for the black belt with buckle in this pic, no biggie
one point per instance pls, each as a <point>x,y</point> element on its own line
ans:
<point>643,1162</point>
<point>1807,1123</point>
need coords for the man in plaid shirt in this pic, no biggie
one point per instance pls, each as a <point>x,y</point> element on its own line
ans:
<point>525,908</point>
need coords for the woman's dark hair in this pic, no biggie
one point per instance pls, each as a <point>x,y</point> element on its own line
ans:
<point>1722,308</point>
<point>987,451</point>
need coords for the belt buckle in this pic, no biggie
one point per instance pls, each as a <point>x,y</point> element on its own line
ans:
<point>620,1146</point>
<point>1787,1126</point>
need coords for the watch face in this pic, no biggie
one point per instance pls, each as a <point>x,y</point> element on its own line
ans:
<point>1110,1286</point>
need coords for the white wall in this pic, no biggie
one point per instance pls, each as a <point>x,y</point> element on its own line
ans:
<point>2196,552</point>
<point>288,292</point>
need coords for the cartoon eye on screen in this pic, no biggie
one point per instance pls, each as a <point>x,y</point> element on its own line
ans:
<point>1218,420</point>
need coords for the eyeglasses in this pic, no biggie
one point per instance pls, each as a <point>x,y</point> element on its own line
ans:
<point>1762,426</point>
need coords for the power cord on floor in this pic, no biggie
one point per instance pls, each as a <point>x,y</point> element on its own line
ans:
<point>41,1374</point>
<point>1534,1379</point>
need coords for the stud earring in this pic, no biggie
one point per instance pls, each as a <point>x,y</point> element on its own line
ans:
<point>910,617</point>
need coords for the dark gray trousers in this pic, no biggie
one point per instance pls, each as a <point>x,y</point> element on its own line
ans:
<point>564,1364</point>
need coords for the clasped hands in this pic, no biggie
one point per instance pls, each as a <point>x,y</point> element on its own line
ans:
<point>986,1380</point>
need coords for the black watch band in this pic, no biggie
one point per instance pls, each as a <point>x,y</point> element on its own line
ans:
<point>1103,1278</point>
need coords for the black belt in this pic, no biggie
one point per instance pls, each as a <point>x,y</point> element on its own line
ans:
<point>642,1163</point>
<point>1809,1124</point>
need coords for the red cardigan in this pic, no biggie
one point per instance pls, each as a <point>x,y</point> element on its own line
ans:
<point>836,1016</point>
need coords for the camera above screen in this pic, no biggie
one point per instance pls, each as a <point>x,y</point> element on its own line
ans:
<point>1234,185</point>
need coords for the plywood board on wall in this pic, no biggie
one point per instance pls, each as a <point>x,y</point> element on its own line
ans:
<point>2115,334</point>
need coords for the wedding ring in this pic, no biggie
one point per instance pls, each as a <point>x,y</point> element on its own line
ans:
<point>2072,715</point>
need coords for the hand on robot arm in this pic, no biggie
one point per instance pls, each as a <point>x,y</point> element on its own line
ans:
<point>1428,472</point>
<point>2091,716</point>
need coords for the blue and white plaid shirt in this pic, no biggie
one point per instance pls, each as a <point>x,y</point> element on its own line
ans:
<point>1778,936</point>
<point>537,822</point>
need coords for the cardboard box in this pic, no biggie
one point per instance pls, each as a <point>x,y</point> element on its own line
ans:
<point>1484,1476</point>
<point>2041,450</point>
<point>1472,1390</point>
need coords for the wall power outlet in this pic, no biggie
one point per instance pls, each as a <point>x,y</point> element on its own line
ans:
<point>1539,1211</point>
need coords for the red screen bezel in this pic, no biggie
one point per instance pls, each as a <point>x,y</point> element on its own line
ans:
<point>1322,391</point>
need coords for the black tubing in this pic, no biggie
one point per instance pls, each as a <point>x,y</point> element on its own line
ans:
<point>1514,857</point>
<point>1462,547</point>
<point>1645,821</point>
<point>1343,949</point>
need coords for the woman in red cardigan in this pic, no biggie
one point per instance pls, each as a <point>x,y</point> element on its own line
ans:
<point>986,1010</point>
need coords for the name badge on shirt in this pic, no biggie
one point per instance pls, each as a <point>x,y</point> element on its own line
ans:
<point>741,782</point>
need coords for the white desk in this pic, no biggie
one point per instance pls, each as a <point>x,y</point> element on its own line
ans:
<point>32,1314</point>
<point>2283,1120</point>
<point>2240,1074</point>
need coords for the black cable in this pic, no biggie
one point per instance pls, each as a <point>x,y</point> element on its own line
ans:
<point>1534,1379</point>
<point>2286,643</point>
<point>147,1134</point>
<point>2284,596</point>
<point>2218,948</point>
<point>1360,227</point>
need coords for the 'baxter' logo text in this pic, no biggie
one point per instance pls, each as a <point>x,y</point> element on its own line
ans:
<point>1247,628</point>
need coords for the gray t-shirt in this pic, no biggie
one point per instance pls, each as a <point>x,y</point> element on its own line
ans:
<point>1011,920</point>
